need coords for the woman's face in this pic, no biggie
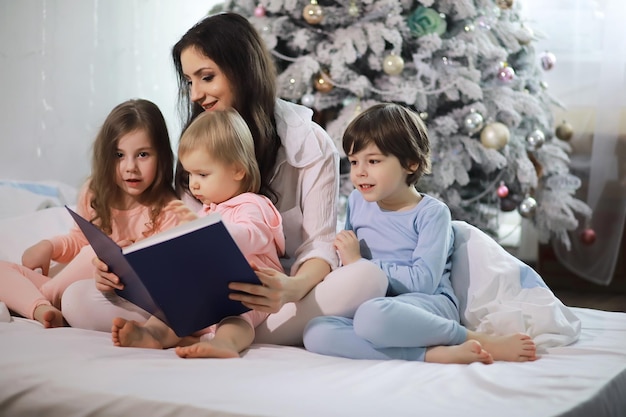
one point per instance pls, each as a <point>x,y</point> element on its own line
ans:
<point>208,85</point>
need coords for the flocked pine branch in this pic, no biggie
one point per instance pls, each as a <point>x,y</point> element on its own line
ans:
<point>468,67</point>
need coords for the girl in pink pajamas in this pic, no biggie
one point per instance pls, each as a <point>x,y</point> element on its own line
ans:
<point>217,153</point>
<point>130,184</point>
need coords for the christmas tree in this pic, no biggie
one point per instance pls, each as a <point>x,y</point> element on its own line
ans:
<point>468,67</point>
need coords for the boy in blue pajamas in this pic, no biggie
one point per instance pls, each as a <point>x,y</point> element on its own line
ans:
<point>409,236</point>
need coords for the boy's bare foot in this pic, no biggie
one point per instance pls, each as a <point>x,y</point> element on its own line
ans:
<point>468,352</point>
<point>129,333</point>
<point>207,349</point>
<point>517,347</point>
<point>49,316</point>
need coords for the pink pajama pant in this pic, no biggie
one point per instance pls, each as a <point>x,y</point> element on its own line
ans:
<point>23,289</point>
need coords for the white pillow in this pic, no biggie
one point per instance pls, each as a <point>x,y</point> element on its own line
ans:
<point>20,197</point>
<point>20,232</point>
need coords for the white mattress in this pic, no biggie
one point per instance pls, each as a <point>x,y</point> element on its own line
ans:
<point>72,372</point>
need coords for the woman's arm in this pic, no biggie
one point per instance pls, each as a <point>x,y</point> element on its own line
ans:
<point>316,255</point>
<point>278,288</point>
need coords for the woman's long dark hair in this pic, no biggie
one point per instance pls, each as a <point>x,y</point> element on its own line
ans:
<point>235,46</point>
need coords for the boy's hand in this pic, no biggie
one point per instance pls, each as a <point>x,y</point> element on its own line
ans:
<point>348,247</point>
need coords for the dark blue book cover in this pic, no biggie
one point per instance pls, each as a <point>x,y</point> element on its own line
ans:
<point>180,275</point>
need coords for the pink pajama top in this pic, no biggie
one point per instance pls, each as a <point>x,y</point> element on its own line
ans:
<point>133,224</point>
<point>257,228</point>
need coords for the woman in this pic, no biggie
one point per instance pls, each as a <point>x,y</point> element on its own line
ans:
<point>222,62</point>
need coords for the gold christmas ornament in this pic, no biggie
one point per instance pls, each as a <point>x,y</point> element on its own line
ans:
<point>504,4</point>
<point>393,64</point>
<point>353,9</point>
<point>313,13</point>
<point>564,131</point>
<point>322,83</point>
<point>495,136</point>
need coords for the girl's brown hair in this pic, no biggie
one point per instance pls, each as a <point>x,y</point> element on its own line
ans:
<point>396,131</point>
<point>127,117</point>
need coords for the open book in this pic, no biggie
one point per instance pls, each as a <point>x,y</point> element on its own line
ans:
<point>180,275</point>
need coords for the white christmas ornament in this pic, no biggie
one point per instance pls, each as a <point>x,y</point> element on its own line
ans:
<point>308,100</point>
<point>393,64</point>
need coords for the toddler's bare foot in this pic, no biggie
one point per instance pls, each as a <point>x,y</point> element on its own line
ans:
<point>207,349</point>
<point>49,316</point>
<point>517,347</point>
<point>129,333</point>
<point>468,352</point>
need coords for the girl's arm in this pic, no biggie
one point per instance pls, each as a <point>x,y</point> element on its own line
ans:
<point>66,247</point>
<point>38,256</point>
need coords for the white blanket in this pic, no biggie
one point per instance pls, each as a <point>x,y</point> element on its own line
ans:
<point>500,294</point>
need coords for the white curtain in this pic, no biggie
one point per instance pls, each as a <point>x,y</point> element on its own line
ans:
<point>589,79</point>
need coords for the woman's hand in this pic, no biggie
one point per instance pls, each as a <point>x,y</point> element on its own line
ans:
<point>267,298</point>
<point>347,245</point>
<point>38,256</point>
<point>182,211</point>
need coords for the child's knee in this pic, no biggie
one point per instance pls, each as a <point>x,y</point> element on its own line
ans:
<point>372,316</point>
<point>320,331</point>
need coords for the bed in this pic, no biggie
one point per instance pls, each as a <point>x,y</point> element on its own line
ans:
<point>74,372</point>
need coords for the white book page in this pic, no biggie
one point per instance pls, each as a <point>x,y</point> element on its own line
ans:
<point>174,232</point>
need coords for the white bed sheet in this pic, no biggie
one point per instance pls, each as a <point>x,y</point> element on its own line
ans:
<point>72,372</point>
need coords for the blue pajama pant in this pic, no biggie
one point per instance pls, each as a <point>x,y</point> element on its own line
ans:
<point>400,327</point>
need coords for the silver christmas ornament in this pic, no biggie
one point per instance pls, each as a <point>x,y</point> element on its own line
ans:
<point>473,122</point>
<point>527,207</point>
<point>535,140</point>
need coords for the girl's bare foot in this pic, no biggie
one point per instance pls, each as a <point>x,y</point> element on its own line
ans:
<point>468,352</point>
<point>129,333</point>
<point>49,316</point>
<point>207,349</point>
<point>517,347</point>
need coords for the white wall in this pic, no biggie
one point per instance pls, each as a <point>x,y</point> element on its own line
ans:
<point>64,64</point>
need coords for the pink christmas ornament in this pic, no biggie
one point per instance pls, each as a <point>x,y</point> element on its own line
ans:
<point>502,191</point>
<point>259,11</point>
<point>588,236</point>
<point>548,60</point>
<point>506,74</point>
